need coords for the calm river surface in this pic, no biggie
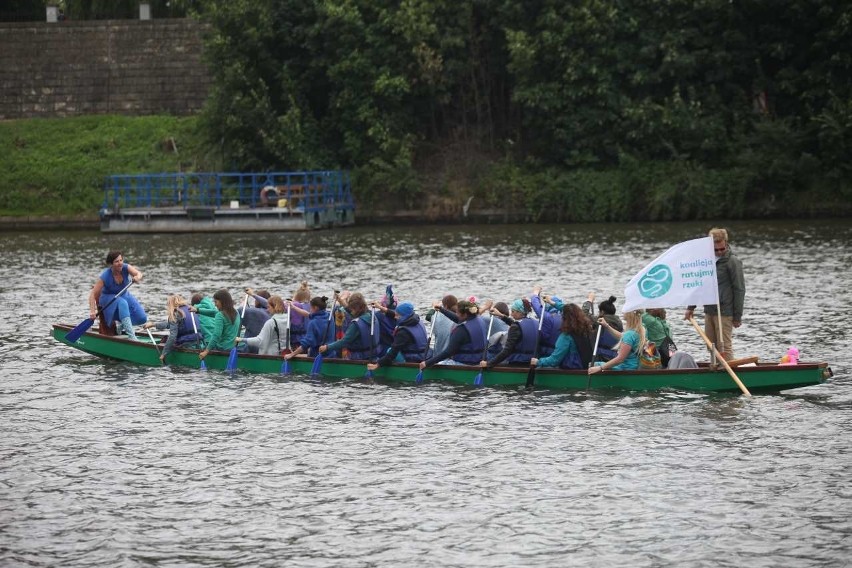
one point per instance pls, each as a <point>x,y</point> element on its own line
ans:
<point>109,464</point>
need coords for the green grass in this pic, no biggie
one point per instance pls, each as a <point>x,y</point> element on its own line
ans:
<point>57,166</point>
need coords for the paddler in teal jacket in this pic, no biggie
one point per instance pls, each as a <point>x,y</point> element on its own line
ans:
<point>226,323</point>
<point>206,305</point>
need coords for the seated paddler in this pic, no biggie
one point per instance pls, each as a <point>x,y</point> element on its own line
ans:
<point>521,337</point>
<point>361,340</point>
<point>183,325</point>
<point>409,338</point>
<point>320,330</point>
<point>467,339</point>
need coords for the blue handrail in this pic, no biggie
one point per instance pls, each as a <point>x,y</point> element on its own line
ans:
<point>312,191</point>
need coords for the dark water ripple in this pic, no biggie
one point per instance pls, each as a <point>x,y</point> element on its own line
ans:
<point>106,464</point>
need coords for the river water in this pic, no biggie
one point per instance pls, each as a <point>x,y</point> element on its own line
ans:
<point>109,464</point>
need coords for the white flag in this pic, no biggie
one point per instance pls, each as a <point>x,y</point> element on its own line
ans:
<point>684,275</point>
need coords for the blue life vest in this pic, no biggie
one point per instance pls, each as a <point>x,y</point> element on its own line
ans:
<point>414,352</point>
<point>186,333</point>
<point>367,347</point>
<point>471,352</point>
<point>606,346</point>
<point>551,327</point>
<point>526,346</point>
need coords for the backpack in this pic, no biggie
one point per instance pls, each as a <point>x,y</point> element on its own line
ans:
<point>649,357</point>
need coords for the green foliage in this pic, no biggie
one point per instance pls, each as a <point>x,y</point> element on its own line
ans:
<point>58,166</point>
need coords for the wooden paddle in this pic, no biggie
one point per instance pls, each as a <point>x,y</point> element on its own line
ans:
<point>531,372</point>
<point>477,380</point>
<point>419,378</point>
<point>84,325</point>
<point>151,336</point>
<point>317,366</point>
<point>195,330</point>
<point>719,357</point>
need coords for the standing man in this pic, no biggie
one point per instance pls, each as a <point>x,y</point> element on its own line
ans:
<point>729,273</point>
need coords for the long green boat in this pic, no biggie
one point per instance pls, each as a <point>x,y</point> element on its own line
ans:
<point>762,377</point>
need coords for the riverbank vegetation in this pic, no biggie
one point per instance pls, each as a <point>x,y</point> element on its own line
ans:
<point>586,110</point>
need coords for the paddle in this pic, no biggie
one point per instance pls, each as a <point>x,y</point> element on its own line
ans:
<point>419,378</point>
<point>720,358</point>
<point>195,330</point>
<point>285,365</point>
<point>84,325</point>
<point>594,354</point>
<point>234,355</point>
<point>531,372</point>
<point>317,366</point>
<point>151,336</point>
<point>477,380</point>
<point>369,373</point>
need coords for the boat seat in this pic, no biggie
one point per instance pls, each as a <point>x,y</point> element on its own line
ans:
<point>742,361</point>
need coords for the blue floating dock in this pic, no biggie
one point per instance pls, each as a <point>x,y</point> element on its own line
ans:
<point>227,202</point>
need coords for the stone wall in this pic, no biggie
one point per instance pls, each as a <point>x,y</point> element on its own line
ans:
<point>101,67</point>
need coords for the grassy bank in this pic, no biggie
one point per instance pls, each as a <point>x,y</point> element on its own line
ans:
<point>57,166</point>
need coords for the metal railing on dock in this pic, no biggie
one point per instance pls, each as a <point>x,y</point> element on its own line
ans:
<point>304,192</point>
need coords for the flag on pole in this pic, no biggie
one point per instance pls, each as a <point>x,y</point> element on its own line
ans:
<point>684,275</point>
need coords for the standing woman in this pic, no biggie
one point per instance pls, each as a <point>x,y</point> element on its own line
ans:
<point>630,342</point>
<point>126,309</point>
<point>226,323</point>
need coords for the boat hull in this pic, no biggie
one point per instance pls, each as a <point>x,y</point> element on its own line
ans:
<point>763,377</point>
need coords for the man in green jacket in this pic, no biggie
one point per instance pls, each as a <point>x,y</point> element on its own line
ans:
<point>729,274</point>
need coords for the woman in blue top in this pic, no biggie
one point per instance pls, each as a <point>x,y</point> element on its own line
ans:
<point>320,330</point>
<point>630,342</point>
<point>126,309</point>
<point>573,346</point>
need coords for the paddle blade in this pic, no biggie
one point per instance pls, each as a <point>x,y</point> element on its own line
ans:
<point>315,369</point>
<point>368,374</point>
<point>78,331</point>
<point>531,377</point>
<point>232,361</point>
<point>203,365</point>
<point>285,367</point>
<point>478,379</point>
<point>419,378</point>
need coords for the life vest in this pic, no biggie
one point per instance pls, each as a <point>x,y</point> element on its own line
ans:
<point>551,327</point>
<point>415,351</point>
<point>525,348</point>
<point>186,333</point>
<point>319,324</point>
<point>367,346</point>
<point>471,352</point>
<point>581,356</point>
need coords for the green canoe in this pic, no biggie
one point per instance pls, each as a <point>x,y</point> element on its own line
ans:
<point>763,377</point>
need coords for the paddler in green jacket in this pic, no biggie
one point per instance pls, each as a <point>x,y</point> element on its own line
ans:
<point>226,323</point>
<point>205,304</point>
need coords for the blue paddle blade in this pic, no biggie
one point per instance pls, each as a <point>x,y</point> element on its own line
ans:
<point>419,378</point>
<point>285,367</point>
<point>478,379</point>
<point>78,331</point>
<point>368,374</point>
<point>232,361</point>
<point>315,369</point>
<point>203,365</point>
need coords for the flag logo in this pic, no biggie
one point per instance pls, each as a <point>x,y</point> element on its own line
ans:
<point>656,282</point>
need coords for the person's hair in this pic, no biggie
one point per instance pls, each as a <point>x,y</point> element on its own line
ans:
<point>112,255</point>
<point>196,298</point>
<point>657,312</point>
<point>633,319</point>
<point>263,294</point>
<point>718,234</point>
<point>174,302</point>
<point>575,321</point>
<point>502,307</point>
<point>302,293</point>
<point>467,309</point>
<point>357,304</point>
<point>227,303</point>
<point>320,302</point>
<point>449,302</point>
<point>277,304</point>
<point>607,306</point>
